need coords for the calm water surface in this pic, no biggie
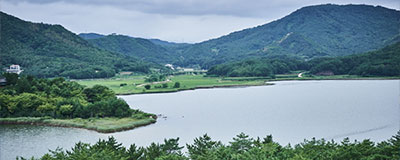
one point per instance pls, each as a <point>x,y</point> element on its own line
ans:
<point>289,110</point>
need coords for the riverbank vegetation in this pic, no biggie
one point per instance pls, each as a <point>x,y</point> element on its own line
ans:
<point>102,125</point>
<point>63,103</point>
<point>241,147</point>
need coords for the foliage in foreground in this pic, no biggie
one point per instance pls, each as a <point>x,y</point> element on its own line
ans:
<point>27,96</point>
<point>242,147</point>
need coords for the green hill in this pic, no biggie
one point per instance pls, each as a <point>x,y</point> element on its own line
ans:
<point>314,31</point>
<point>140,48</point>
<point>152,50</point>
<point>47,50</point>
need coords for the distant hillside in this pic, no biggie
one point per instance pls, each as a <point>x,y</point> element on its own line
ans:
<point>259,67</point>
<point>47,50</point>
<point>382,62</point>
<point>152,50</point>
<point>314,31</point>
<point>140,48</point>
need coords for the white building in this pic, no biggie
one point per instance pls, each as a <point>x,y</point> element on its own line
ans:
<point>170,66</point>
<point>15,68</point>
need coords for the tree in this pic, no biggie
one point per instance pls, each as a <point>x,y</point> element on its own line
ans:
<point>25,104</point>
<point>47,109</point>
<point>177,85</point>
<point>66,110</point>
<point>171,146</point>
<point>202,146</point>
<point>241,143</point>
<point>147,86</point>
<point>97,93</point>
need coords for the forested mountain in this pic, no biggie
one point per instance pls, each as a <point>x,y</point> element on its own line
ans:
<point>130,46</point>
<point>310,32</point>
<point>47,50</point>
<point>383,62</point>
<point>314,31</point>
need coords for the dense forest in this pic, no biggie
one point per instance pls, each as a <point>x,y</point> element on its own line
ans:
<point>264,67</point>
<point>46,50</point>
<point>241,147</point>
<point>27,96</point>
<point>383,62</point>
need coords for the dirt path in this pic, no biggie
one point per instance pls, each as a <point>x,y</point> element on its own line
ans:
<point>141,85</point>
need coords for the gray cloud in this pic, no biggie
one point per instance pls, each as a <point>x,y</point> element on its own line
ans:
<point>240,8</point>
<point>172,20</point>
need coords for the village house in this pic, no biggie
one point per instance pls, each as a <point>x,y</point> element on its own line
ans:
<point>15,68</point>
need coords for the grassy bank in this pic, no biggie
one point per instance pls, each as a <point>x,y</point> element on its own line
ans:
<point>288,77</point>
<point>103,125</point>
<point>135,84</point>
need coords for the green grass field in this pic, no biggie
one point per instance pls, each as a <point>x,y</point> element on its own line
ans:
<point>135,83</point>
<point>103,125</point>
<point>114,83</point>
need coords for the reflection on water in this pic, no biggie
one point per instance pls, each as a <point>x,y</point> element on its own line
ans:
<point>290,111</point>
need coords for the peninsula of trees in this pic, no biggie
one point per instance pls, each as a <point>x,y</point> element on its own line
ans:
<point>57,99</point>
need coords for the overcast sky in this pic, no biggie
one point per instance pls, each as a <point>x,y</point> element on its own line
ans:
<point>172,20</point>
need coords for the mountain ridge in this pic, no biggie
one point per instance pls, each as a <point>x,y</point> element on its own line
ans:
<point>334,29</point>
<point>308,32</point>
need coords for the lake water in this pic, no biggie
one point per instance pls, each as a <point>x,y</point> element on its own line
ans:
<point>289,110</point>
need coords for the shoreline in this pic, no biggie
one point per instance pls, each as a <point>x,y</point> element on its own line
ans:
<point>82,124</point>
<point>266,83</point>
<point>195,88</point>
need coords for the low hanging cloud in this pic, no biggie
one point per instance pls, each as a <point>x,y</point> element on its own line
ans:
<point>172,20</point>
